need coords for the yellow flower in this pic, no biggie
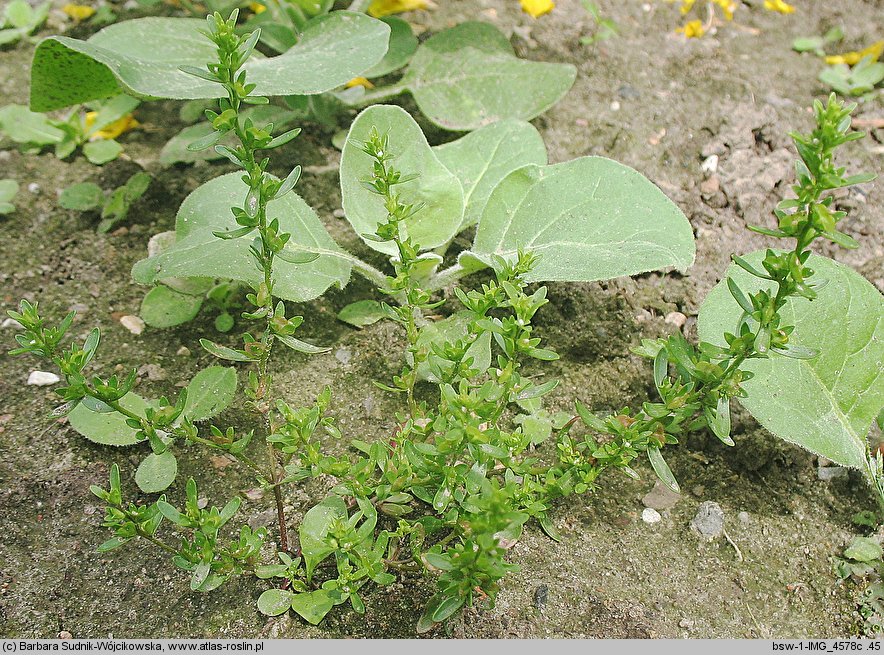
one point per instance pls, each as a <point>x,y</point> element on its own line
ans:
<point>693,29</point>
<point>78,12</point>
<point>379,8</point>
<point>359,81</point>
<point>874,51</point>
<point>728,7</point>
<point>113,130</point>
<point>779,6</point>
<point>537,8</point>
<point>257,7</point>
<point>686,6</point>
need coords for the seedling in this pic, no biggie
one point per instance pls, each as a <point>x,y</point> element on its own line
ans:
<point>92,131</point>
<point>20,20</point>
<point>8,189</point>
<point>87,197</point>
<point>857,80</point>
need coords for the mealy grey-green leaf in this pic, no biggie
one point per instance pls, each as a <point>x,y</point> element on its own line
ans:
<point>468,76</point>
<point>436,187</point>
<point>589,219</point>
<point>825,404</point>
<point>199,253</point>
<point>210,392</point>
<point>481,159</point>
<point>142,57</point>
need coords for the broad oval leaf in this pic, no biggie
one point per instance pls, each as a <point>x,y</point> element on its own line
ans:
<point>436,187</point>
<point>403,44</point>
<point>468,76</point>
<point>274,602</point>
<point>362,313</point>
<point>163,307</point>
<point>156,472</point>
<point>197,252</point>
<point>109,429</point>
<point>142,57</point>
<point>590,219</point>
<point>314,529</point>
<point>210,392</point>
<point>481,159</point>
<point>825,404</point>
<point>313,605</point>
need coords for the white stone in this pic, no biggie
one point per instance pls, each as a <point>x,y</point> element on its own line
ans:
<point>42,378</point>
<point>650,515</point>
<point>132,323</point>
<point>710,164</point>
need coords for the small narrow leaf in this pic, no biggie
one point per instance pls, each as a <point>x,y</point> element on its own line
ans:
<point>661,468</point>
<point>223,352</point>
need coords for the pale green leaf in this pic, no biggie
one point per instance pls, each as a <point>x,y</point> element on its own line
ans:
<point>210,391</point>
<point>199,253</point>
<point>81,197</point>
<point>109,429</point>
<point>481,159</point>
<point>274,602</point>
<point>362,313</point>
<point>403,44</point>
<point>314,529</point>
<point>436,188</point>
<point>864,549</point>
<point>468,76</point>
<point>156,472</point>
<point>142,57</point>
<point>163,307</point>
<point>313,605</point>
<point>101,152</point>
<point>8,189</point>
<point>825,404</point>
<point>25,126</point>
<point>589,219</point>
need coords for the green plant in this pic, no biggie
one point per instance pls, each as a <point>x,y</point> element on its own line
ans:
<point>861,563</point>
<point>605,27</point>
<point>332,49</point>
<point>857,80</point>
<point>88,196</point>
<point>93,131</point>
<point>8,189</point>
<point>817,44</point>
<point>802,346</point>
<point>20,20</point>
<point>450,489</point>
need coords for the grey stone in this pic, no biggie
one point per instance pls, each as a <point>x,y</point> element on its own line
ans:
<point>709,520</point>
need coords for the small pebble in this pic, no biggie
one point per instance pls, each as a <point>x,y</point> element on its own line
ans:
<point>650,515</point>
<point>64,634</point>
<point>132,323</point>
<point>744,518</point>
<point>11,323</point>
<point>153,372</point>
<point>343,355</point>
<point>615,106</point>
<point>541,594</point>
<point>183,351</point>
<point>829,473</point>
<point>710,164</point>
<point>660,497</point>
<point>42,378</point>
<point>709,520</point>
<point>686,624</point>
<point>33,187</point>
<point>676,318</point>
<point>338,213</point>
